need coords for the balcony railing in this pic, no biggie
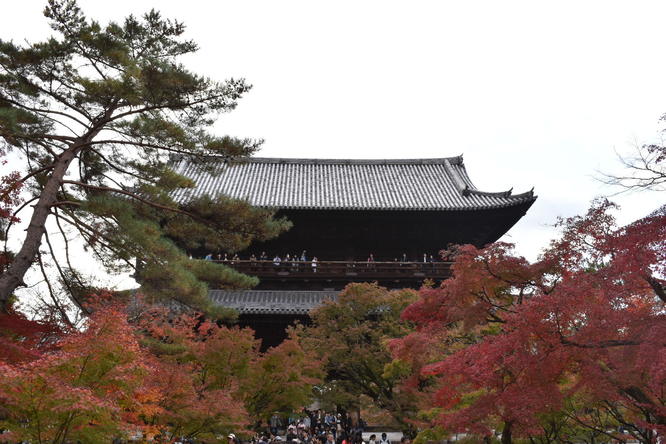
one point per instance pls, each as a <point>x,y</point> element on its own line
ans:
<point>342,269</point>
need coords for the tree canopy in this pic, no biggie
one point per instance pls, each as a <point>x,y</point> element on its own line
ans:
<point>569,348</point>
<point>143,371</point>
<point>97,113</point>
<point>349,336</point>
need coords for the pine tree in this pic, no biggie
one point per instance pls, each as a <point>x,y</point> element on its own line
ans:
<point>97,113</point>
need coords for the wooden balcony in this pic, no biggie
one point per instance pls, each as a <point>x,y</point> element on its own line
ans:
<point>342,270</point>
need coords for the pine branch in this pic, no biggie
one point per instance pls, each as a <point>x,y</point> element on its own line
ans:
<point>133,196</point>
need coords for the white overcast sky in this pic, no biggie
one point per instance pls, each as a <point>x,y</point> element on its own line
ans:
<point>533,93</point>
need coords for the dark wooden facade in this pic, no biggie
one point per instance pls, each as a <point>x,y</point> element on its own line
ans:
<point>352,235</point>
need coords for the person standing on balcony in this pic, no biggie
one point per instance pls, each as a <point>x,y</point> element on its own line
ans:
<point>263,256</point>
<point>304,258</point>
<point>371,261</point>
<point>277,260</point>
<point>314,264</point>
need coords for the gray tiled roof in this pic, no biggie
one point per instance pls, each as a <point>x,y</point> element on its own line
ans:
<point>271,301</point>
<point>416,184</point>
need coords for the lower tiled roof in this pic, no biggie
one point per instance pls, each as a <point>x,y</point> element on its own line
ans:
<point>271,301</point>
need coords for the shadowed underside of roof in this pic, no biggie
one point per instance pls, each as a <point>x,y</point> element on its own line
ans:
<point>343,184</point>
<point>271,301</point>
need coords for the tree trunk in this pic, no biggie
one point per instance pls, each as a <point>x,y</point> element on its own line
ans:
<point>656,285</point>
<point>13,278</point>
<point>506,433</point>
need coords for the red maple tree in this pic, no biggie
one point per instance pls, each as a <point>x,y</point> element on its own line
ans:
<point>79,392</point>
<point>509,345</point>
<point>10,198</point>
<point>197,368</point>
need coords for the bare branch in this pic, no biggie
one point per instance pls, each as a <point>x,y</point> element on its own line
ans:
<point>62,312</point>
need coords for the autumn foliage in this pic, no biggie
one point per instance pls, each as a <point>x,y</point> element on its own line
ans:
<point>149,373</point>
<point>565,349</point>
<point>10,198</point>
<point>569,348</point>
<point>84,391</point>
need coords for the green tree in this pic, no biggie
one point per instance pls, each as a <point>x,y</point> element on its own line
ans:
<point>281,380</point>
<point>350,336</point>
<point>97,112</point>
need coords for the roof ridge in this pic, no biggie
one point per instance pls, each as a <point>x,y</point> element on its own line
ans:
<point>456,160</point>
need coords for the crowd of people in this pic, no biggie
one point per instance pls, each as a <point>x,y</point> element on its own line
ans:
<point>314,427</point>
<point>296,259</point>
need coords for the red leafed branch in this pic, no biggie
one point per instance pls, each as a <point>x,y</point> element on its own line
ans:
<point>505,343</point>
